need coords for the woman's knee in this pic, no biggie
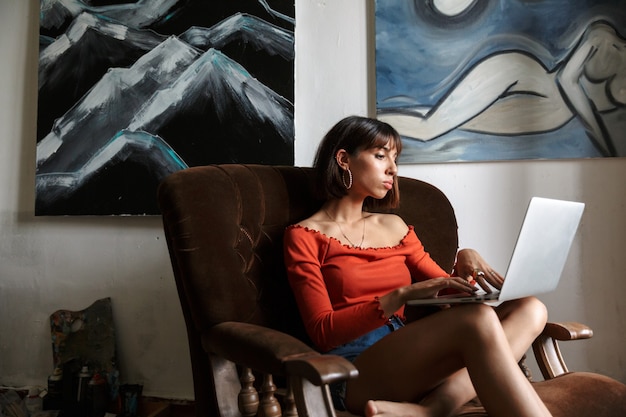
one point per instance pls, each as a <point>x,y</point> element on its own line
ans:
<point>531,309</point>
<point>535,311</point>
<point>482,319</point>
<point>536,306</point>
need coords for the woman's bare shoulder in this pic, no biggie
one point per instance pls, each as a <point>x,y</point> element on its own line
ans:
<point>392,221</point>
<point>315,222</point>
<point>388,229</point>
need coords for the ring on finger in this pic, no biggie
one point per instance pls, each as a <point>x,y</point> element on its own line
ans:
<point>477,273</point>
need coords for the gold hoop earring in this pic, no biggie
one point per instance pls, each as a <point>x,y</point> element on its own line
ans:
<point>343,179</point>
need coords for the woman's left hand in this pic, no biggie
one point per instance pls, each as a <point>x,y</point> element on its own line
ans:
<point>470,265</point>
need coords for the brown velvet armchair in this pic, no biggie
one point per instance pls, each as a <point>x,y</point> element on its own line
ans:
<point>249,352</point>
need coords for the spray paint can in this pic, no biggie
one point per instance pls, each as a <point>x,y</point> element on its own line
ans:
<point>54,399</point>
<point>98,395</point>
<point>83,381</point>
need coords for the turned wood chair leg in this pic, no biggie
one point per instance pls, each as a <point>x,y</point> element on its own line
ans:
<point>248,396</point>
<point>269,407</point>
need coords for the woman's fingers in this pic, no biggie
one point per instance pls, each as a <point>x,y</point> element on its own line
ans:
<point>480,279</point>
<point>494,278</point>
<point>487,278</point>
<point>461,284</point>
<point>430,288</point>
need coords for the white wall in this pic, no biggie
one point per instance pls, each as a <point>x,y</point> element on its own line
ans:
<point>51,263</point>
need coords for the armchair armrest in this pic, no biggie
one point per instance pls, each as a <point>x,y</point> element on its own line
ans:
<point>321,369</point>
<point>568,331</point>
<point>310,377</point>
<point>546,347</point>
<point>276,353</point>
<point>254,346</point>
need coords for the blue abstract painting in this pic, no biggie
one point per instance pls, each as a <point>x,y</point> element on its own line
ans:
<point>131,91</point>
<point>482,80</point>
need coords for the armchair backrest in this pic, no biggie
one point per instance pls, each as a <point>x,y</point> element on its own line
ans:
<point>224,226</point>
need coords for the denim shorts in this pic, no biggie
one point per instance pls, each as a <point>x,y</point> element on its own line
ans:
<point>352,349</point>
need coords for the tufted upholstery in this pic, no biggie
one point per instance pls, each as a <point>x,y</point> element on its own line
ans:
<point>224,227</point>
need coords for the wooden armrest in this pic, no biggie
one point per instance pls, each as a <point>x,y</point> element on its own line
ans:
<point>309,379</point>
<point>272,353</point>
<point>321,369</point>
<point>546,347</point>
<point>253,346</point>
<point>567,331</point>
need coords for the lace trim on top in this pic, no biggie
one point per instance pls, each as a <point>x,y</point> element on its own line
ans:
<point>345,245</point>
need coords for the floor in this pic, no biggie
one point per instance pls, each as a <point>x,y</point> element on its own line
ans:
<point>156,407</point>
<point>182,410</point>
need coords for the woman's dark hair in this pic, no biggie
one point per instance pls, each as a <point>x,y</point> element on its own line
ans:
<point>353,134</point>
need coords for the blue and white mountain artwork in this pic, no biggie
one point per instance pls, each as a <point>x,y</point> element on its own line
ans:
<point>121,107</point>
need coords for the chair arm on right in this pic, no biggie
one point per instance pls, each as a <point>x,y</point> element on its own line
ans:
<point>568,330</point>
<point>546,346</point>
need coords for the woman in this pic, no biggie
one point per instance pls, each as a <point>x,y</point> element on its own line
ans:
<point>352,271</point>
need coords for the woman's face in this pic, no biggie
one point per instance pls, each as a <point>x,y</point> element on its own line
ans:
<point>374,171</point>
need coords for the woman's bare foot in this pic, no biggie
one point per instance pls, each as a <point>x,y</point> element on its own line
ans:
<point>393,409</point>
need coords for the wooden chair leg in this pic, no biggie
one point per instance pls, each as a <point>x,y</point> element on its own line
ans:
<point>248,396</point>
<point>228,387</point>
<point>270,407</point>
<point>312,400</point>
<point>290,403</point>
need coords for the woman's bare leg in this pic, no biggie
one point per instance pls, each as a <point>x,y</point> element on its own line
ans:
<point>455,335</point>
<point>522,321</point>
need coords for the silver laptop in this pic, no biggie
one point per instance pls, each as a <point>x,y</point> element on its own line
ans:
<point>539,256</point>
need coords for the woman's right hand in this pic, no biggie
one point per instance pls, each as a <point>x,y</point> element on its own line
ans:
<point>431,287</point>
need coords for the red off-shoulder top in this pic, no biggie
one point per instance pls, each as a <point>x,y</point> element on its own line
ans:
<point>337,286</point>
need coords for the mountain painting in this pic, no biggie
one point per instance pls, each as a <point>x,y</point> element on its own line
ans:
<point>130,92</point>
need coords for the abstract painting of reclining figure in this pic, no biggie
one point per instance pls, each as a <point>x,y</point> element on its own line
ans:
<point>466,80</point>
